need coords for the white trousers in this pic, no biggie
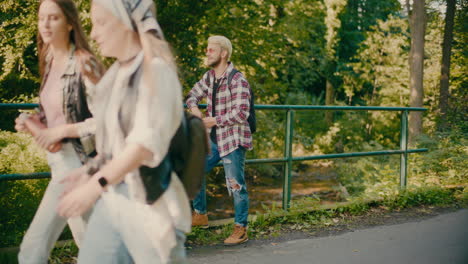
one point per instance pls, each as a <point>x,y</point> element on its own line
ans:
<point>47,225</point>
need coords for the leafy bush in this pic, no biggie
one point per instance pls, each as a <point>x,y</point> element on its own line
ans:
<point>19,199</point>
<point>18,203</point>
<point>462,196</point>
<point>420,196</point>
<point>445,165</point>
<point>19,154</point>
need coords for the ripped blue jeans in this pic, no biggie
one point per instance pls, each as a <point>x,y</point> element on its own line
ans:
<point>235,181</point>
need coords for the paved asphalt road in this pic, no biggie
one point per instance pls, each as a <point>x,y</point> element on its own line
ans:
<point>439,240</point>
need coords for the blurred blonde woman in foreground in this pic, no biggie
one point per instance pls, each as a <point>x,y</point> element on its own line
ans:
<point>141,211</point>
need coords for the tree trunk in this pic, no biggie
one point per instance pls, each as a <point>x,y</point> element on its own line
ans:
<point>445,67</point>
<point>408,7</point>
<point>418,28</point>
<point>329,100</point>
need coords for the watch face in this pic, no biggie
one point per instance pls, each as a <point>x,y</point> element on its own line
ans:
<point>102,181</point>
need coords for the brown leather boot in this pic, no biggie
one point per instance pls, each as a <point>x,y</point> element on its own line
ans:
<point>238,236</point>
<point>200,220</point>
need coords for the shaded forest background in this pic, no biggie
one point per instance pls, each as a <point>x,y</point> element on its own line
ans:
<point>301,52</point>
<point>289,50</point>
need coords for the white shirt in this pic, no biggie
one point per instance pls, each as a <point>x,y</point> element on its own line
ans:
<point>158,115</point>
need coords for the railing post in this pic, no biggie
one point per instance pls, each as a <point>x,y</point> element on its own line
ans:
<point>288,154</point>
<point>403,147</point>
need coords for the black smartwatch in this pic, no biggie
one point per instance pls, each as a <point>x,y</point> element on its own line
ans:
<point>102,181</point>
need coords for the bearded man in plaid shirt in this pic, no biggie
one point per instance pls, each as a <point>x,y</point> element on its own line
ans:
<point>230,135</point>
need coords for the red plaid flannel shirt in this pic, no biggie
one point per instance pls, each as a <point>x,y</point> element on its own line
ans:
<point>232,109</point>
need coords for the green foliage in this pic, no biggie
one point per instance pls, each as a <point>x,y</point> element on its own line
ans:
<point>19,199</point>
<point>445,164</point>
<point>19,154</point>
<point>19,71</point>
<point>356,207</point>
<point>462,196</point>
<point>357,19</point>
<point>18,29</point>
<point>369,177</point>
<point>458,106</point>
<point>380,72</point>
<point>432,64</point>
<point>9,257</point>
<point>273,41</point>
<point>360,16</point>
<point>280,45</point>
<point>18,204</point>
<point>420,196</point>
<point>65,253</point>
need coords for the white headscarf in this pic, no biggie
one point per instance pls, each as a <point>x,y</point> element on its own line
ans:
<point>138,15</point>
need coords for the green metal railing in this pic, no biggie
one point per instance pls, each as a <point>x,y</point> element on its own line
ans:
<point>288,158</point>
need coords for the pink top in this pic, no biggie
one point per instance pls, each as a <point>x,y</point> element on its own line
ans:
<point>52,99</point>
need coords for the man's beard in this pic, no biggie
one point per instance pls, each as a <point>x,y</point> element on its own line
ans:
<point>215,63</point>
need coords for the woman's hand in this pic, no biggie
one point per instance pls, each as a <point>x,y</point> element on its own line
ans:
<point>80,200</point>
<point>74,179</point>
<point>20,126</point>
<point>45,138</point>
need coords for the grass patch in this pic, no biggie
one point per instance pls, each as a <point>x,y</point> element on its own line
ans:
<point>65,253</point>
<point>305,214</point>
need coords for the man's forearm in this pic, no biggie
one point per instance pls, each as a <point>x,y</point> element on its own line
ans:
<point>196,112</point>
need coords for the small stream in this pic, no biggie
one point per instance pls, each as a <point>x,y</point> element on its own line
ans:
<point>315,182</point>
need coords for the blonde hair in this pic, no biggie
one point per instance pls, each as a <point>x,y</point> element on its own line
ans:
<point>155,47</point>
<point>222,41</point>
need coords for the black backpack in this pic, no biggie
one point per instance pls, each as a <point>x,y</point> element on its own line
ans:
<point>186,156</point>
<point>252,120</point>
<point>188,151</point>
